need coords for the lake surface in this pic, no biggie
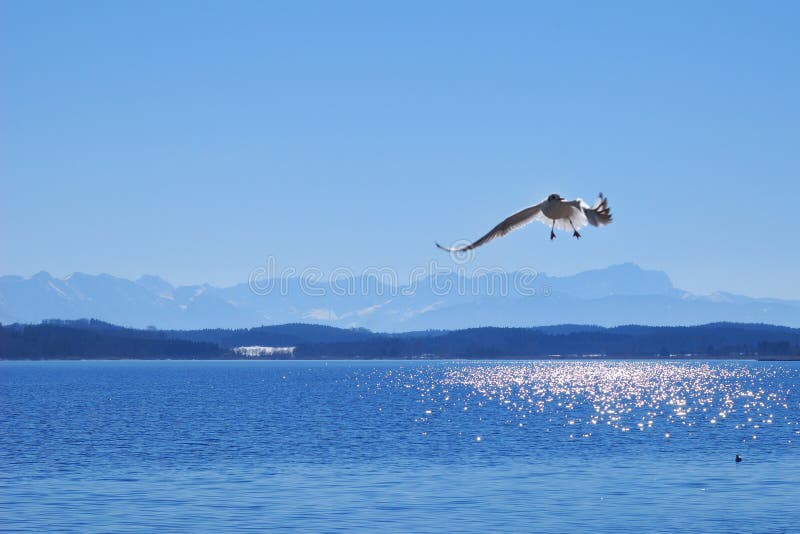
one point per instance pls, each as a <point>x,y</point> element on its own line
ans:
<point>413,446</point>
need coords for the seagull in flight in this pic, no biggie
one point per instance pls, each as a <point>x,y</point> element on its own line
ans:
<point>555,211</point>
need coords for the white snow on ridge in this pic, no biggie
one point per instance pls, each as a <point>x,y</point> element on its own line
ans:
<point>59,291</point>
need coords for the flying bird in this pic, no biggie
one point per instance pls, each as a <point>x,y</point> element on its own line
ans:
<point>555,211</point>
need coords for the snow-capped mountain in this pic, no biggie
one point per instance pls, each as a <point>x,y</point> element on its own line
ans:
<point>619,294</point>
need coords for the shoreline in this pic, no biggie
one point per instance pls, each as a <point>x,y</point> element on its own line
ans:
<point>459,359</point>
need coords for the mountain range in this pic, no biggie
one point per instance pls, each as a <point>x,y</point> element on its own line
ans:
<point>616,295</point>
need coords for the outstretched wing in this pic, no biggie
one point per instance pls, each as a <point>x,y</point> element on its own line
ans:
<point>519,219</point>
<point>600,213</point>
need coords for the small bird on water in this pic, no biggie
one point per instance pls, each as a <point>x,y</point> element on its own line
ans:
<point>738,458</point>
<point>555,211</point>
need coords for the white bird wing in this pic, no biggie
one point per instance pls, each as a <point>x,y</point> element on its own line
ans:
<point>599,214</point>
<point>581,214</point>
<point>519,219</point>
<point>576,215</point>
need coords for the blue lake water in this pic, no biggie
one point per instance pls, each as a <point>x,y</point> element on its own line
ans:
<point>422,446</point>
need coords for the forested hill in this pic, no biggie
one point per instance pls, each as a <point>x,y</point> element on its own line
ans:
<point>90,339</point>
<point>96,340</point>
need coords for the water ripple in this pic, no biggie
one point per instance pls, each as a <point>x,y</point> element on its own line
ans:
<point>404,445</point>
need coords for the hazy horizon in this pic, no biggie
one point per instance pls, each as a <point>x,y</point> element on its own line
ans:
<point>403,277</point>
<point>444,297</point>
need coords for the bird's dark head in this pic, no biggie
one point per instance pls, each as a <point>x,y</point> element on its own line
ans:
<point>555,198</point>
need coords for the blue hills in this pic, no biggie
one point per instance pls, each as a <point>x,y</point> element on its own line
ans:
<point>612,296</point>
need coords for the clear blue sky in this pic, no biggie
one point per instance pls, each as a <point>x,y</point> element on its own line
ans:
<point>192,139</point>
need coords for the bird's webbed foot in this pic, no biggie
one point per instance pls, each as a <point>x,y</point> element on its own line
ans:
<point>552,235</point>
<point>575,234</point>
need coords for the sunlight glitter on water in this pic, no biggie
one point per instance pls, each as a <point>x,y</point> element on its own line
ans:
<point>613,396</point>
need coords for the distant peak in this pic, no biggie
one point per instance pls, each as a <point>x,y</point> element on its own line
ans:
<point>41,275</point>
<point>154,283</point>
<point>627,266</point>
<point>151,278</point>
